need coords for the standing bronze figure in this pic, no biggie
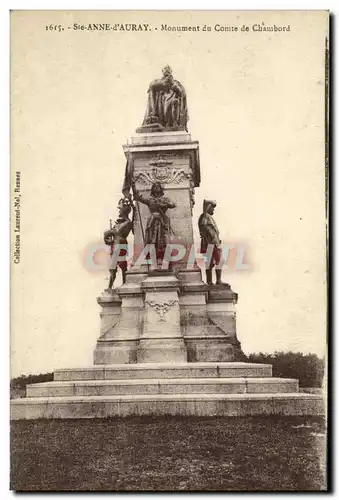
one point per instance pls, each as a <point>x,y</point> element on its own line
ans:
<point>166,104</point>
<point>209,234</point>
<point>115,237</point>
<point>158,225</point>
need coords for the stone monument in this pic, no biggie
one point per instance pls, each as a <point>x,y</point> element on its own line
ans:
<point>177,317</point>
<point>168,341</point>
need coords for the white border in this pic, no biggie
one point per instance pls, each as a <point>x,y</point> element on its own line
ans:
<point>5,7</point>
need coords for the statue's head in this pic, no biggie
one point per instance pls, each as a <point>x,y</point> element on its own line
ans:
<point>209,206</point>
<point>157,190</point>
<point>167,71</point>
<point>124,207</point>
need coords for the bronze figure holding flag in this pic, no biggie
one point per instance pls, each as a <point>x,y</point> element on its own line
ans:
<point>158,226</point>
<point>116,238</point>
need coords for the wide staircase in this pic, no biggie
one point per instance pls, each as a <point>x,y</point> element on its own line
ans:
<point>203,389</point>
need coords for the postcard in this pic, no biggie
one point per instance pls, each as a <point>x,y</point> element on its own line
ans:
<point>169,225</point>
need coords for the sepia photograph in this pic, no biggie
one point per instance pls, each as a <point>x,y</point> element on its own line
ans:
<point>169,232</point>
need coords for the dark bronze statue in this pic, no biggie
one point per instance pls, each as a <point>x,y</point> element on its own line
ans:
<point>158,225</point>
<point>166,104</point>
<point>117,235</point>
<point>209,234</point>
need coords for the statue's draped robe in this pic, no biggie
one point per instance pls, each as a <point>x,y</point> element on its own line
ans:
<point>158,224</point>
<point>166,104</point>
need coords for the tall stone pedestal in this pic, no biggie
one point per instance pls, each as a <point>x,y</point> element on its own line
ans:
<point>164,317</point>
<point>172,159</point>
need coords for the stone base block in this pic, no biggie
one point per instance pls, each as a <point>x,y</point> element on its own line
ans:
<point>147,137</point>
<point>164,371</point>
<point>151,127</point>
<point>222,293</point>
<point>174,404</point>
<point>209,349</point>
<point>199,389</point>
<point>115,352</point>
<point>162,351</point>
<point>164,386</point>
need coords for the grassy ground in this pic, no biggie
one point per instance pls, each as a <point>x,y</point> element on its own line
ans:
<point>168,454</point>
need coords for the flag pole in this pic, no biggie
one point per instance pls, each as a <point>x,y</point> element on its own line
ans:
<point>111,227</point>
<point>137,202</point>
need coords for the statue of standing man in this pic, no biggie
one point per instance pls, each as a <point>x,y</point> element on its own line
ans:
<point>209,234</point>
<point>116,238</point>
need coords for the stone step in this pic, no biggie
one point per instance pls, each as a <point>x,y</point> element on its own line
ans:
<point>165,370</point>
<point>165,404</point>
<point>211,385</point>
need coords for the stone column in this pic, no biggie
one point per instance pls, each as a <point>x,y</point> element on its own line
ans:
<point>110,312</point>
<point>221,309</point>
<point>172,159</point>
<point>205,340</point>
<point>120,343</point>
<point>109,316</point>
<point>161,340</point>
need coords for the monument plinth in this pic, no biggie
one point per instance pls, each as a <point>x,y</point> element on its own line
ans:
<point>179,315</point>
<point>168,341</point>
<point>171,159</point>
